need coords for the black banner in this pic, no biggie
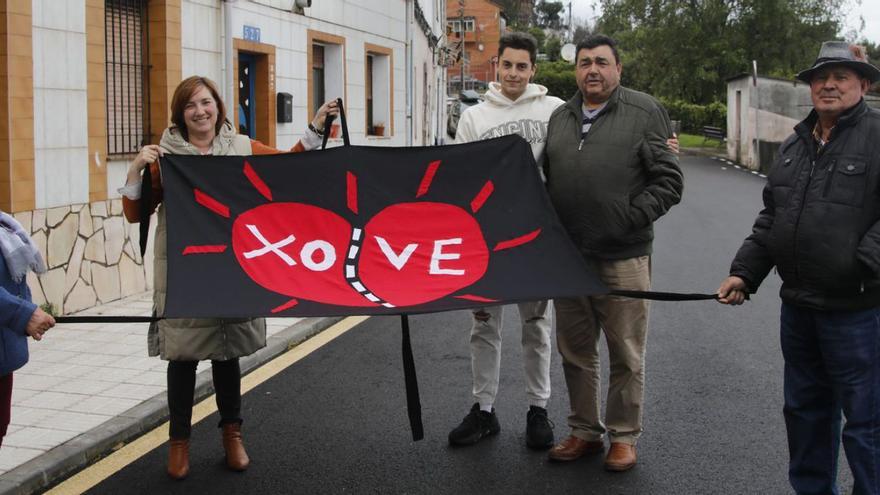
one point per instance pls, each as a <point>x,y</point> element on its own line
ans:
<point>364,230</point>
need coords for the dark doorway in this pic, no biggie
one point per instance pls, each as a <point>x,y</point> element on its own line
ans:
<point>247,70</point>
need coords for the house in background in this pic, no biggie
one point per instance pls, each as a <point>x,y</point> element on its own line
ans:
<point>478,24</point>
<point>88,82</point>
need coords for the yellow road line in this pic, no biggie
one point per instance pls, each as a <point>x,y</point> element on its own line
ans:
<point>131,452</point>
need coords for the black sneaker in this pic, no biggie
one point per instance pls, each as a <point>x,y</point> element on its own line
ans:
<point>539,429</point>
<point>475,426</point>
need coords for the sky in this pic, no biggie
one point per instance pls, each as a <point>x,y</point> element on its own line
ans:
<point>869,10</point>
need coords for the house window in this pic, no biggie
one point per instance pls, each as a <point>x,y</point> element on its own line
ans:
<point>317,76</point>
<point>469,25</point>
<point>326,69</point>
<point>127,76</point>
<point>369,93</point>
<point>379,89</point>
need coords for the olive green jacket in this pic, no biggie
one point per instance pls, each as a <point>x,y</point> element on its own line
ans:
<point>610,187</point>
<point>193,339</point>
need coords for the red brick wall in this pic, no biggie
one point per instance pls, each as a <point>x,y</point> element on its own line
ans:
<point>488,15</point>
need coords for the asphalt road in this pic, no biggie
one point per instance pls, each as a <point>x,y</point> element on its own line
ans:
<point>335,422</point>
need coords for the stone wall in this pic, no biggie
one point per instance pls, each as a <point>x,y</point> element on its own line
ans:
<point>92,254</point>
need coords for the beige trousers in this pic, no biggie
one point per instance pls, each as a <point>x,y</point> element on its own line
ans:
<point>536,350</point>
<point>625,324</point>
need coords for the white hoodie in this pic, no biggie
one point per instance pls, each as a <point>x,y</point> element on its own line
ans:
<point>498,115</point>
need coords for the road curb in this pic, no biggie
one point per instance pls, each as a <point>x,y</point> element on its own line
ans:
<point>63,461</point>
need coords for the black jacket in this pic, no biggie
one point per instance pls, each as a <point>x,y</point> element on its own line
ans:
<point>609,189</point>
<point>820,225</point>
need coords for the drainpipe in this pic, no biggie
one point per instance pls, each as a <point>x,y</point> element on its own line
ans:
<point>228,85</point>
<point>410,14</point>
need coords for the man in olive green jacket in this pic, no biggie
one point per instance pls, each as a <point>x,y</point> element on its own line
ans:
<point>610,176</point>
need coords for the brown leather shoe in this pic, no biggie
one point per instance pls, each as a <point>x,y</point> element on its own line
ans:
<point>621,457</point>
<point>236,458</point>
<point>574,448</point>
<point>178,458</point>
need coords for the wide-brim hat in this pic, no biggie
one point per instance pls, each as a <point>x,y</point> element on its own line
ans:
<point>839,53</point>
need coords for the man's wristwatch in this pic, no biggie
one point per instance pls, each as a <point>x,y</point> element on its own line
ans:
<point>315,130</point>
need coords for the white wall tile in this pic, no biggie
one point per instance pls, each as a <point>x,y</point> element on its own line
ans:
<point>76,16</point>
<point>187,62</point>
<point>77,119</point>
<point>76,61</point>
<point>298,64</point>
<point>187,24</point>
<point>55,13</point>
<point>78,175</point>
<point>37,12</point>
<point>207,25</point>
<point>54,57</point>
<point>55,118</point>
<point>39,120</point>
<point>40,183</point>
<point>38,64</point>
<point>55,177</point>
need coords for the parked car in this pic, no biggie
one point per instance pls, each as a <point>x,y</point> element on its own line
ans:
<point>466,98</point>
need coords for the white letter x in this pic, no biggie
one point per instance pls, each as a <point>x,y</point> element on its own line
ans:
<point>269,247</point>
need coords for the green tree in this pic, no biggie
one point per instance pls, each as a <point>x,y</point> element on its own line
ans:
<point>685,49</point>
<point>540,37</point>
<point>580,33</point>
<point>511,9</point>
<point>873,52</point>
<point>552,48</point>
<point>548,14</point>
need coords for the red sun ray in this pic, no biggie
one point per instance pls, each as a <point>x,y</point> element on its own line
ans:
<point>471,297</point>
<point>287,305</point>
<point>351,183</point>
<point>518,241</point>
<point>205,249</point>
<point>211,204</point>
<point>427,178</point>
<point>258,183</point>
<point>482,196</point>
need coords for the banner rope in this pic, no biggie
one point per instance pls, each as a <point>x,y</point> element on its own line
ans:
<point>107,319</point>
<point>634,294</point>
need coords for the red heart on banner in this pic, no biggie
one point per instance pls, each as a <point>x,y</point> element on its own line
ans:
<point>409,253</point>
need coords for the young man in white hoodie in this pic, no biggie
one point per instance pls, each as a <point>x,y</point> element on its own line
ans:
<point>511,106</point>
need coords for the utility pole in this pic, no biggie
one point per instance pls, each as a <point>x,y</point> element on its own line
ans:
<point>570,28</point>
<point>757,116</point>
<point>461,37</point>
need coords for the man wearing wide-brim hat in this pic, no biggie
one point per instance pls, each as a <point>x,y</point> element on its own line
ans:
<point>820,228</point>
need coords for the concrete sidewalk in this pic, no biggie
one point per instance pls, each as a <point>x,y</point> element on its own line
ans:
<point>89,387</point>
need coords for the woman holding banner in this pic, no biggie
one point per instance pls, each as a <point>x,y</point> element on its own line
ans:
<point>200,127</point>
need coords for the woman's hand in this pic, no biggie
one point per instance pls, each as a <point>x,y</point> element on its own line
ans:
<point>328,108</point>
<point>39,323</point>
<point>148,155</point>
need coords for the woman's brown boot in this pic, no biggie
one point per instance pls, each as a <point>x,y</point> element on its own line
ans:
<point>178,458</point>
<point>236,458</point>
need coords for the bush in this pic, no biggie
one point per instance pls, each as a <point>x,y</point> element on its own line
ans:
<point>558,77</point>
<point>694,117</point>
